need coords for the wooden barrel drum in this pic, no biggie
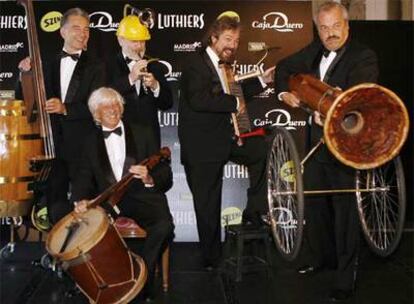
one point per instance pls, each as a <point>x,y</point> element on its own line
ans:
<point>97,258</point>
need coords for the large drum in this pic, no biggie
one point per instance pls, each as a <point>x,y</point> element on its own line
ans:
<point>97,258</point>
<point>20,142</point>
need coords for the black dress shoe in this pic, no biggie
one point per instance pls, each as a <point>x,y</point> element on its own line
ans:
<point>266,219</point>
<point>211,267</point>
<point>252,219</point>
<point>339,295</point>
<point>308,269</point>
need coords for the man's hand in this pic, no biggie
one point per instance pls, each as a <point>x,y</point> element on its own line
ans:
<point>81,206</point>
<point>317,118</point>
<point>290,99</point>
<point>141,172</point>
<point>241,109</point>
<point>150,81</point>
<point>55,105</point>
<point>138,70</point>
<point>25,65</point>
<point>269,75</point>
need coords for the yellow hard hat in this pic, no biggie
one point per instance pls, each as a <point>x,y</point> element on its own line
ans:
<point>230,14</point>
<point>132,29</point>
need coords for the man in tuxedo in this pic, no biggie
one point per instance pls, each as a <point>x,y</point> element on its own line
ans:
<point>332,226</point>
<point>138,78</point>
<point>115,148</point>
<point>70,77</point>
<point>207,139</point>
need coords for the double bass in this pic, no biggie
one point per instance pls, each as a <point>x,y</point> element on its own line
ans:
<point>26,141</point>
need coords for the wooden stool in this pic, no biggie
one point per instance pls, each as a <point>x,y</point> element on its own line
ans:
<point>238,234</point>
<point>128,228</point>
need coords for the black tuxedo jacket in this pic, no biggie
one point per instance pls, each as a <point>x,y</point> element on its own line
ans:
<point>142,109</point>
<point>69,130</point>
<point>95,172</point>
<point>354,64</point>
<point>204,128</point>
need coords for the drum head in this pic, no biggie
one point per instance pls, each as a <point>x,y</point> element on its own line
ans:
<point>87,230</point>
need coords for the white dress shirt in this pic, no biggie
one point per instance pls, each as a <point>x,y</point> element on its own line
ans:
<point>115,147</point>
<point>323,68</point>
<point>67,66</point>
<point>215,60</point>
<point>325,63</point>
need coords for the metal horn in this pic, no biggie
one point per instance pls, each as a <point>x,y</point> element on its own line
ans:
<point>365,126</point>
<point>146,16</point>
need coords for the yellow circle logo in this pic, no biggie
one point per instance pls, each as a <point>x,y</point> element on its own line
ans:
<point>287,172</point>
<point>231,216</point>
<point>51,21</point>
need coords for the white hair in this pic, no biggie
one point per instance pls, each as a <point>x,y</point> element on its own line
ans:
<point>104,96</point>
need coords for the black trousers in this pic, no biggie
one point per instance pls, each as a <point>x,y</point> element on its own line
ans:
<point>205,180</point>
<point>151,212</point>
<point>58,188</point>
<point>332,224</point>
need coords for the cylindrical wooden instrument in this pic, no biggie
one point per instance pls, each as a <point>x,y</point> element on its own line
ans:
<point>365,126</point>
<point>97,258</point>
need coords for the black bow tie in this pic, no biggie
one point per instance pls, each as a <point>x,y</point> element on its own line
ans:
<point>117,131</point>
<point>326,53</point>
<point>223,62</point>
<point>75,57</point>
<point>128,60</point>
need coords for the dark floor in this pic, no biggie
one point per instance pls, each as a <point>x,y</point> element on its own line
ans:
<point>380,280</point>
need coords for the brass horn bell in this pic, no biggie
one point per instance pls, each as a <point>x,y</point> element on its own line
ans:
<point>365,126</point>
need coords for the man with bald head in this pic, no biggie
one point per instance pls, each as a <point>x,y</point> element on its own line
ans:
<point>332,228</point>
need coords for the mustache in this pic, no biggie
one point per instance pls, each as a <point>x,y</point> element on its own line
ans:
<point>332,37</point>
<point>229,49</point>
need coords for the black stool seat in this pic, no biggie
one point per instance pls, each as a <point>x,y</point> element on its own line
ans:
<point>239,235</point>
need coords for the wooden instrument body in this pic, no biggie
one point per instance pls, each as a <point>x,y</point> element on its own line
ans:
<point>26,140</point>
<point>365,126</point>
<point>97,258</point>
<point>20,144</point>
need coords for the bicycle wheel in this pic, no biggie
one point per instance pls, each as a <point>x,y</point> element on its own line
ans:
<point>381,202</point>
<point>285,194</point>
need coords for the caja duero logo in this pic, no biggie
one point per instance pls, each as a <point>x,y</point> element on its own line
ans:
<point>279,118</point>
<point>170,75</point>
<point>276,21</point>
<point>5,75</point>
<point>103,21</point>
<point>51,21</point>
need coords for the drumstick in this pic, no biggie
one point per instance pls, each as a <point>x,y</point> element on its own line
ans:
<point>73,227</point>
